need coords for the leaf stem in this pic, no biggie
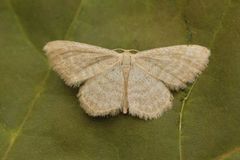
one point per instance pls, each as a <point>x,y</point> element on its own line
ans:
<point>217,30</point>
<point>181,119</point>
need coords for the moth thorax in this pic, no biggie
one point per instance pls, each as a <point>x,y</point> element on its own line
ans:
<point>126,59</point>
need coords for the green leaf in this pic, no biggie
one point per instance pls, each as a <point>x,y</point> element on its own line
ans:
<point>40,117</point>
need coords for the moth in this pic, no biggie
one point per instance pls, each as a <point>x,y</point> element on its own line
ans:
<point>112,82</point>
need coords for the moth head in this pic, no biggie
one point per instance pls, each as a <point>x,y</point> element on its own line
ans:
<point>121,50</point>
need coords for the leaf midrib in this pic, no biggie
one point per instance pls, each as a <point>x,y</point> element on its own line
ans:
<point>42,84</point>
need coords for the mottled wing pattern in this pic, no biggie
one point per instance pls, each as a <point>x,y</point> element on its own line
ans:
<point>148,97</point>
<point>76,62</point>
<point>103,94</point>
<point>174,65</point>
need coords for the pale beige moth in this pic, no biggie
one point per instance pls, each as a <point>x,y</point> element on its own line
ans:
<point>113,82</point>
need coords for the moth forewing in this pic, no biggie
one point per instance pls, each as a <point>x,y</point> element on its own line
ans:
<point>76,62</point>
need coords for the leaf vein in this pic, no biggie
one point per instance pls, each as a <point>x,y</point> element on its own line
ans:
<point>21,28</point>
<point>216,32</point>
<point>74,21</point>
<point>228,153</point>
<point>27,115</point>
<point>15,135</point>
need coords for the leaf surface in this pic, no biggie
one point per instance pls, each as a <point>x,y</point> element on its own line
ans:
<point>40,117</point>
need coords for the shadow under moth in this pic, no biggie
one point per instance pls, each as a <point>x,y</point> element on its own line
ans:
<point>113,82</point>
